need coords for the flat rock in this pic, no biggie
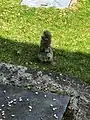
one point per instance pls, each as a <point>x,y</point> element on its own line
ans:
<point>46,3</point>
<point>20,104</point>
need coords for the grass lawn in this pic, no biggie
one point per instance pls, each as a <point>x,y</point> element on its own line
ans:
<point>21,27</point>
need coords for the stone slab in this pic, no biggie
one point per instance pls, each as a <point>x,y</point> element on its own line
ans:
<point>20,104</point>
<point>46,3</point>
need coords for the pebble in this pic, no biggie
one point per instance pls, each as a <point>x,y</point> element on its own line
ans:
<point>49,78</point>
<point>57,77</point>
<point>39,73</point>
<point>60,74</point>
<point>50,73</point>
<point>4,79</point>
<point>26,63</point>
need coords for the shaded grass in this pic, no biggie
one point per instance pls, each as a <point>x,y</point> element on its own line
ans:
<point>21,27</point>
<point>71,63</point>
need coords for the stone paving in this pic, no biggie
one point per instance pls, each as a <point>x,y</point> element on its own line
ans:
<point>20,104</point>
<point>47,3</point>
<point>79,92</point>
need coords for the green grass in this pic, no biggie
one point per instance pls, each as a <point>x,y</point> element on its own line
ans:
<point>21,27</point>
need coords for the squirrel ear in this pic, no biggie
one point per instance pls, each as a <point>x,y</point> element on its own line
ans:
<point>42,37</point>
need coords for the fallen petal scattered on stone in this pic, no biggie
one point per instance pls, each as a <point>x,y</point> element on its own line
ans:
<point>30,110</point>
<point>55,116</point>
<point>51,105</point>
<point>27,99</point>
<point>12,115</point>
<point>3,105</point>
<point>4,91</point>
<point>8,97</point>
<point>20,99</point>
<point>45,96</point>
<point>30,107</point>
<point>54,99</point>
<point>4,117</point>
<point>54,109</point>
<point>14,100</point>
<point>36,93</point>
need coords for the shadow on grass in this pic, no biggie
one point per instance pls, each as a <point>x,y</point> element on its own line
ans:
<point>72,63</point>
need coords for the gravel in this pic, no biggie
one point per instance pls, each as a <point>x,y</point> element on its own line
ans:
<point>79,106</point>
